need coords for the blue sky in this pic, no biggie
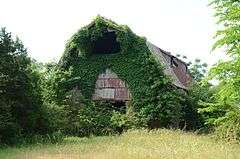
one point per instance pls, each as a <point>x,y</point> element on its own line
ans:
<point>180,26</point>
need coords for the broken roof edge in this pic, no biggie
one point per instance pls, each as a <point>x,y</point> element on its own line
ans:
<point>157,53</point>
<point>169,54</point>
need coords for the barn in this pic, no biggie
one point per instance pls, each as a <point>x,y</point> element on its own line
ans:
<point>111,63</point>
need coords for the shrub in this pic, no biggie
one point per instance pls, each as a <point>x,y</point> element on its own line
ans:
<point>224,119</point>
<point>93,119</point>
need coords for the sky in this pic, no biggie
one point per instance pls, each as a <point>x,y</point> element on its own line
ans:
<point>183,27</point>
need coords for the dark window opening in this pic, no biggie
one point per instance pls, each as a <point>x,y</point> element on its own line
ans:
<point>173,63</point>
<point>119,106</point>
<point>107,44</point>
<point>186,69</point>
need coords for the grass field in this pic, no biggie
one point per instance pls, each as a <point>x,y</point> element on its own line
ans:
<point>141,144</point>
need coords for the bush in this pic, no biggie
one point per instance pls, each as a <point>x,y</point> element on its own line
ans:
<point>224,119</point>
<point>228,126</point>
<point>124,121</point>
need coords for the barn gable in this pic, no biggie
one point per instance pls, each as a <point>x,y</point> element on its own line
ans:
<point>174,67</point>
<point>103,46</point>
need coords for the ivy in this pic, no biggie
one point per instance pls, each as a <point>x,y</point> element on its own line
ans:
<point>134,64</point>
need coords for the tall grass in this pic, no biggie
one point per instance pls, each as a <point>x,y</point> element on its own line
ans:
<point>135,144</point>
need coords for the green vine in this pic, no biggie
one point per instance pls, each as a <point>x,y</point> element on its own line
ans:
<point>149,86</point>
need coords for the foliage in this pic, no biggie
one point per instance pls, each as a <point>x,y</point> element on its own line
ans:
<point>126,120</point>
<point>46,101</point>
<point>53,138</point>
<point>94,119</point>
<point>154,99</point>
<point>224,110</point>
<point>199,91</point>
<point>52,81</point>
<point>19,91</point>
<point>227,72</point>
<point>197,69</point>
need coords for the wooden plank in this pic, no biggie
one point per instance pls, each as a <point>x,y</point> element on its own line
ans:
<point>121,94</point>
<point>110,87</point>
<point>104,94</point>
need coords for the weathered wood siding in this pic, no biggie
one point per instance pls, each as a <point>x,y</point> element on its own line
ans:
<point>180,74</point>
<point>109,87</point>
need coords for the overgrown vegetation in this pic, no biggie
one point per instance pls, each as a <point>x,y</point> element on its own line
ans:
<point>223,112</point>
<point>134,144</point>
<point>155,101</point>
<point>21,112</point>
<point>45,102</point>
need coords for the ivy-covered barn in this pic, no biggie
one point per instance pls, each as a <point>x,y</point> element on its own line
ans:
<point>108,62</point>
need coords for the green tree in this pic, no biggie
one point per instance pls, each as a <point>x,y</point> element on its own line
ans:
<point>19,91</point>
<point>54,84</point>
<point>225,110</point>
<point>199,91</point>
<point>197,68</point>
<point>228,72</point>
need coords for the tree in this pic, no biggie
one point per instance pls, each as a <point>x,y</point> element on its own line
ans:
<point>225,110</point>
<point>228,72</point>
<point>19,91</point>
<point>199,91</point>
<point>198,69</point>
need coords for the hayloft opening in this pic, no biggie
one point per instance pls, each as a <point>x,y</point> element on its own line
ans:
<point>107,44</point>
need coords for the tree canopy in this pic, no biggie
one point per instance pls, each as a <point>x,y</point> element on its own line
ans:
<point>225,108</point>
<point>20,100</point>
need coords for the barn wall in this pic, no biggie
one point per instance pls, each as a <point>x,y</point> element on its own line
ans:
<point>110,87</point>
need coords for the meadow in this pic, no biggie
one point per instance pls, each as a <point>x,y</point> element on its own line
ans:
<point>134,144</point>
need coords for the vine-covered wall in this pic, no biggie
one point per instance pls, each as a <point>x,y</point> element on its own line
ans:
<point>152,93</point>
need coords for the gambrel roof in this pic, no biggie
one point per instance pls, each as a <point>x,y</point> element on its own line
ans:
<point>98,42</point>
<point>174,67</point>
